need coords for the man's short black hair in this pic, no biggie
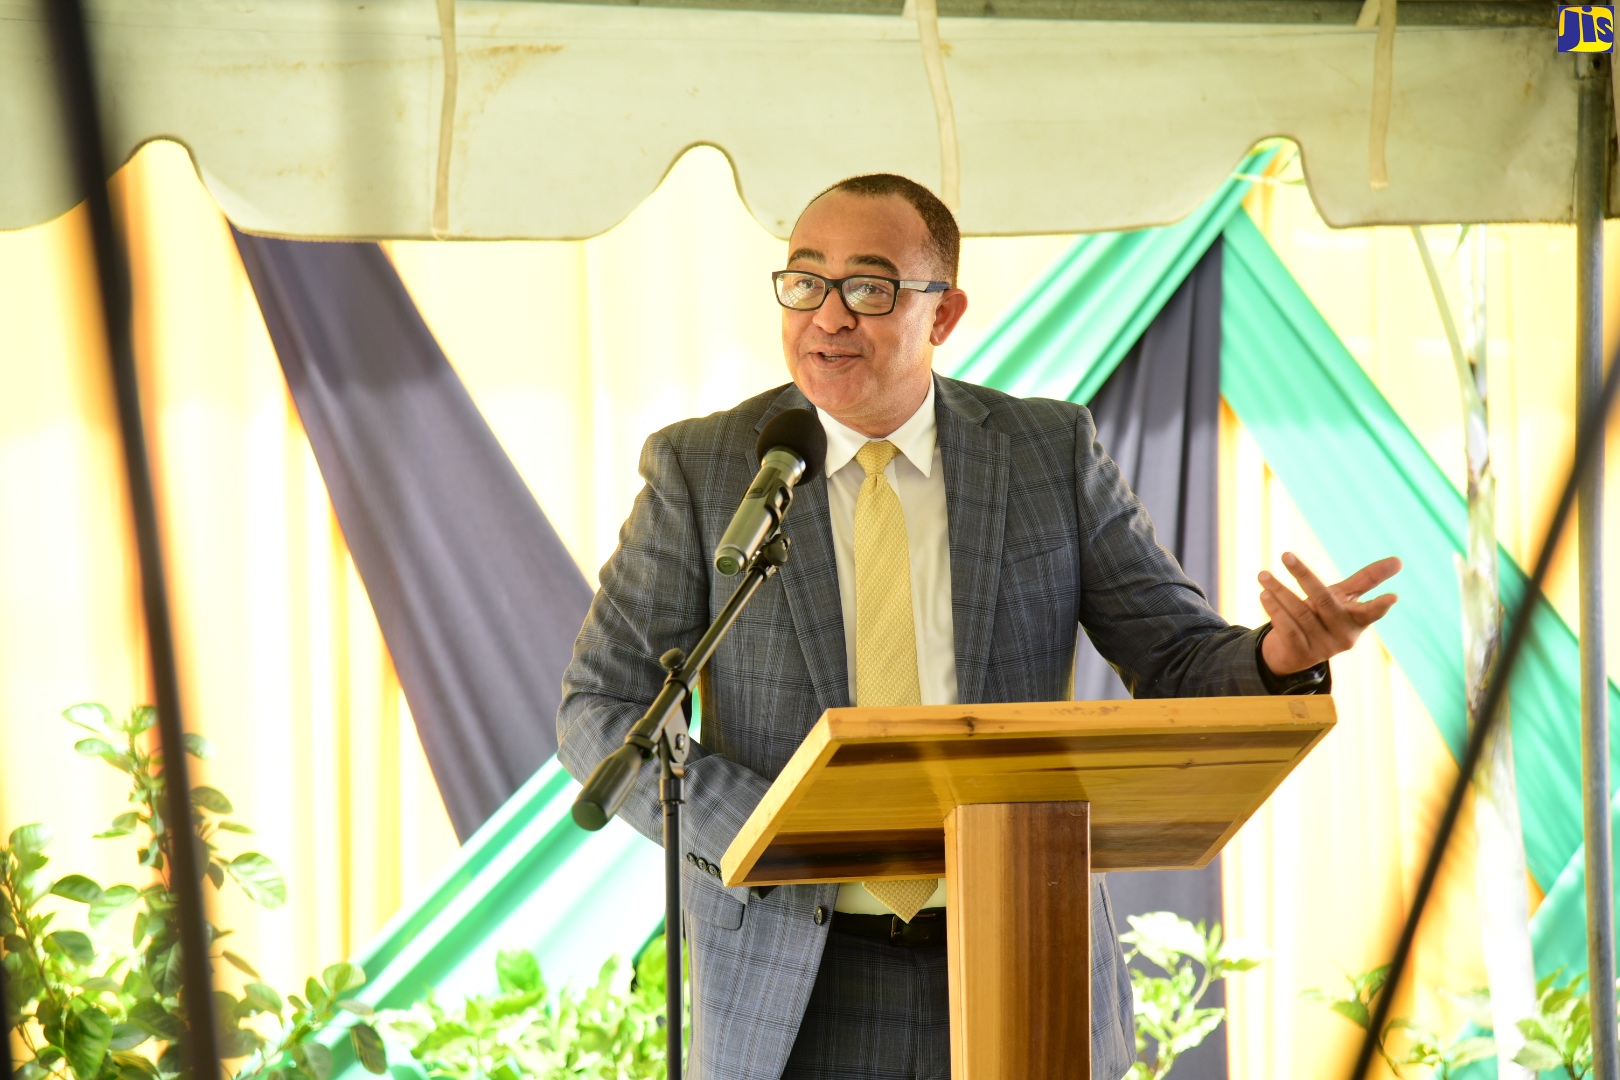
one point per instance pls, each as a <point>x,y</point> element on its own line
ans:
<point>944,238</point>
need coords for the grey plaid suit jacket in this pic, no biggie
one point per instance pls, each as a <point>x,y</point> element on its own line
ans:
<point>1044,537</point>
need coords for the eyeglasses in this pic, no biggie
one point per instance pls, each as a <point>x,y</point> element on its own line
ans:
<point>863,294</point>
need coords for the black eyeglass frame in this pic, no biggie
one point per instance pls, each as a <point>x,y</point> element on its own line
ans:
<point>837,285</point>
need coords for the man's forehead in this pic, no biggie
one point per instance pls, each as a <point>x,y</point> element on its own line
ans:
<point>857,230</point>
<point>870,260</point>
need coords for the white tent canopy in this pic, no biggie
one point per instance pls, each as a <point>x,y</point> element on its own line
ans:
<point>321,118</point>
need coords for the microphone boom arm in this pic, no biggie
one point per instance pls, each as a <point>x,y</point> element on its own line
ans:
<point>664,722</point>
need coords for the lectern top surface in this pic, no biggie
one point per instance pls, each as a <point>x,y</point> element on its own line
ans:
<point>1169,781</point>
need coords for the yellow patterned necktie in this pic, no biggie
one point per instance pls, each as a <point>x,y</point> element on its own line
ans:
<point>885,630</point>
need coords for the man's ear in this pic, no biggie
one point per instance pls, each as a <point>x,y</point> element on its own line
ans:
<point>952,305</point>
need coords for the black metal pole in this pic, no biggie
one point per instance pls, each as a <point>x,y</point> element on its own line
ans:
<point>76,83</point>
<point>1591,191</point>
<point>670,794</point>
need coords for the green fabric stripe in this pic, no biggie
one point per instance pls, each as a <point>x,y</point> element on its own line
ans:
<point>1071,330</point>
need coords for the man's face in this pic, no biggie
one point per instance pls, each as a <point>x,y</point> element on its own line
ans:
<point>869,371</point>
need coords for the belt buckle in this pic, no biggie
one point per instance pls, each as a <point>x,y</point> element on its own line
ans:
<point>897,930</point>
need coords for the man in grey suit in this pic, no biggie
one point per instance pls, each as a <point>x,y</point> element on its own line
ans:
<point>1018,528</point>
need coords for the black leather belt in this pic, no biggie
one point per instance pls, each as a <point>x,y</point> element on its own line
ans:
<point>927,927</point>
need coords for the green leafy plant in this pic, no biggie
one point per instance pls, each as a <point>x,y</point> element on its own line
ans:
<point>530,1030</point>
<point>87,1010</point>
<point>1559,1035</point>
<point>1424,1047</point>
<point>1168,1013</point>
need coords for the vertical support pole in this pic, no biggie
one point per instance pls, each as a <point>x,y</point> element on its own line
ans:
<point>1591,192</point>
<point>1018,940</point>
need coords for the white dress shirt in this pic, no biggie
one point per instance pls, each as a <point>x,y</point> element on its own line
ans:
<point>918,478</point>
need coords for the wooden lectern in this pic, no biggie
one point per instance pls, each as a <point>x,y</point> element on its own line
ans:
<point>1015,805</point>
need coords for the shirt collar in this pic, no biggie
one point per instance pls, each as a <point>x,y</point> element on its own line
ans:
<point>915,438</point>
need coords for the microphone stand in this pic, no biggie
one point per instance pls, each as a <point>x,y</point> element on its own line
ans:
<point>662,730</point>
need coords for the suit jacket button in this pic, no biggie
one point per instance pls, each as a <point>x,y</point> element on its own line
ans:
<point>714,871</point>
<point>820,915</point>
<point>691,857</point>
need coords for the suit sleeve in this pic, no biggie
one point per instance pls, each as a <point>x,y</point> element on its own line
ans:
<point>653,597</point>
<point>1144,615</point>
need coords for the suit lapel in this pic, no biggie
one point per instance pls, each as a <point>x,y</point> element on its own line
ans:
<point>976,462</point>
<point>810,578</point>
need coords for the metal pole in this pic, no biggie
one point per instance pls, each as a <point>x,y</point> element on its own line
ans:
<point>77,85</point>
<point>1591,191</point>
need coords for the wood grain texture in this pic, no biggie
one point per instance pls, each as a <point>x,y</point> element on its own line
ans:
<point>1169,781</point>
<point>1018,925</point>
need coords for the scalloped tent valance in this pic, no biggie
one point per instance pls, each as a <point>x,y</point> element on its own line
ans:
<point>321,118</point>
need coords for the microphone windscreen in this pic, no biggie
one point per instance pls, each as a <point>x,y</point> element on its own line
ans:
<point>799,430</point>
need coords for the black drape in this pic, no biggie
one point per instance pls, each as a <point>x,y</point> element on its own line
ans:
<point>478,600</point>
<point>1158,416</point>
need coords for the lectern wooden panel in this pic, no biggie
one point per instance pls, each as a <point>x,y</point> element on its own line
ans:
<point>1014,805</point>
<point>1169,781</point>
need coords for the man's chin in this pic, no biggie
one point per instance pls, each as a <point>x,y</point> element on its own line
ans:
<point>835,388</point>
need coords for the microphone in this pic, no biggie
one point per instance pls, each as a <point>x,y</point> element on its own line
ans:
<point>791,451</point>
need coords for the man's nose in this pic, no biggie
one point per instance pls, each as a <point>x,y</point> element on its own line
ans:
<point>833,315</point>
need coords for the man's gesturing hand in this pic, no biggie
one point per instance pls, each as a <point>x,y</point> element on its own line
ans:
<point>1327,621</point>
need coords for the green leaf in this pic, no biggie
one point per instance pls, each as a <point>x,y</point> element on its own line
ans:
<point>127,1036</point>
<point>341,977</point>
<point>216,874</point>
<point>141,718</point>
<point>172,1063</point>
<point>77,887</point>
<point>163,965</point>
<point>197,746</point>
<point>239,964</point>
<point>234,826</point>
<point>133,1066</point>
<point>211,799</point>
<point>90,716</point>
<point>1467,1051</point>
<point>31,1070</point>
<point>318,997</point>
<point>259,878</point>
<point>73,944</point>
<point>1538,1056</point>
<point>315,1058</point>
<point>262,997</point>
<point>518,971</point>
<point>110,901</point>
<point>100,983</point>
<point>359,1008</point>
<point>369,1049</point>
<point>100,748</point>
<point>27,839</point>
<point>88,1036</point>
<point>156,1021</point>
<point>238,1043</point>
<point>1354,1011</point>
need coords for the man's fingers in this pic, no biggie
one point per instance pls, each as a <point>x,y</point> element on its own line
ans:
<point>1313,586</point>
<point>1371,576</point>
<point>1373,610</point>
<point>1305,618</point>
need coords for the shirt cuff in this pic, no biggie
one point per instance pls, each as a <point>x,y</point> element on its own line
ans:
<point>1313,680</point>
